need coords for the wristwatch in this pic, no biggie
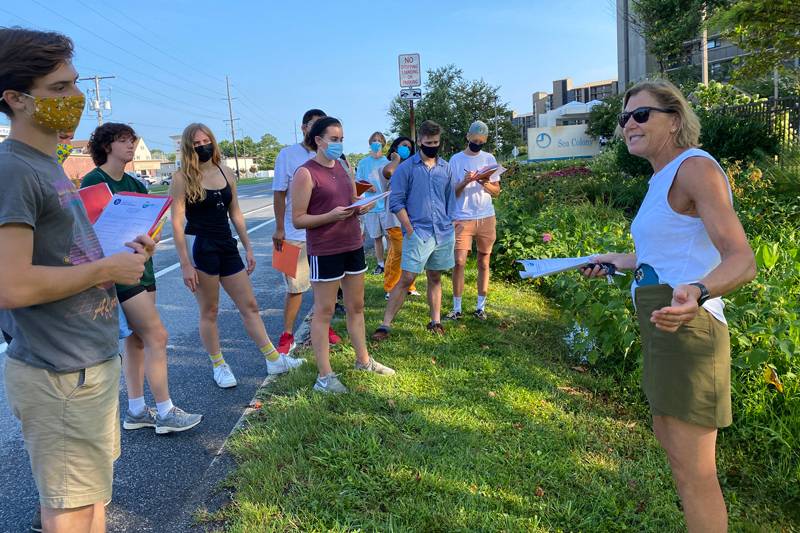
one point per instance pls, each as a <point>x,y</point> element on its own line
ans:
<point>703,293</point>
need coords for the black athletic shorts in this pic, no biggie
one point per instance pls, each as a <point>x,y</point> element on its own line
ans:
<point>130,293</point>
<point>333,267</point>
<point>217,257</point>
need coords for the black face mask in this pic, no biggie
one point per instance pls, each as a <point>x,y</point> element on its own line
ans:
<point>475,147</point>
<point>429,151</point>
<point>204,152</point>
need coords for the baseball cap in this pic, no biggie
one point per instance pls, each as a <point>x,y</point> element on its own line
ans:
<point>479,128</point>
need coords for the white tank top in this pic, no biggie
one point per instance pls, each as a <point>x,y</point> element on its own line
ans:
<point>676,246</point>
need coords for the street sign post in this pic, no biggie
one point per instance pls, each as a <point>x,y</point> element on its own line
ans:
<point>410,72</point>
<point>410,94</point>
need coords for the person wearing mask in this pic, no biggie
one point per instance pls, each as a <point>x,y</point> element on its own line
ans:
<point>58,298</point>
<point>400,150</point>
<point>112,148</point>
<point>204,196</point>
<point>367,170</point>
<point>691,249</point>
<point>321,194</point>
<point>287,162</point>
<point>423,198</point>
<point>475,216</point>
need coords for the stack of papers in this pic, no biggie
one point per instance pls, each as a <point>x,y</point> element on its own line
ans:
<point>126,216</point>
<point>490,171</point>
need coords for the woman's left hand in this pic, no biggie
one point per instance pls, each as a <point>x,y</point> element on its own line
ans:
<point>365,208</point>
<point>372,189</point>
<point>250,259</point>
<point>683,310</point>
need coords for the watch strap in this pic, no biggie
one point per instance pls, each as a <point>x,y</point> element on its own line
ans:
<point>703,293</point>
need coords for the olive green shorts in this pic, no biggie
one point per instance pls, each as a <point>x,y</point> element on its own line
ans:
<point>686,374</point>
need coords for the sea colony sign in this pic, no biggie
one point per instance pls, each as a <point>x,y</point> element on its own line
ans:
<point>410,72</point>
<point>561,142</point>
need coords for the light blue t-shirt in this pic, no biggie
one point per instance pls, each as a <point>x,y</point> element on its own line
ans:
<point>368,170</point>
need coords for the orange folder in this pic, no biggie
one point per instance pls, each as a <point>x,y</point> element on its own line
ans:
<point>362,186</point>
<point>95,198</point>
<point>286,259</point>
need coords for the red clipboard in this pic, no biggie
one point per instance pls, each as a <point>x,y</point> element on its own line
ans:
<point>362,187</point>
<point>95,198</point>
<point>285,260</point>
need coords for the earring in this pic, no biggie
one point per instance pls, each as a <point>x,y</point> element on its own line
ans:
<point>673,130</point>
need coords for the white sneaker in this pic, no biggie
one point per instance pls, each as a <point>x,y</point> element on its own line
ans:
<point>283,364</point>
<point>224,377</point>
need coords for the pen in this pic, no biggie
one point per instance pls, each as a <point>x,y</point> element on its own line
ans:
<point>157,230</point>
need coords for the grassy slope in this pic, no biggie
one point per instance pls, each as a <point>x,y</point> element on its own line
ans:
<point>486,429</point>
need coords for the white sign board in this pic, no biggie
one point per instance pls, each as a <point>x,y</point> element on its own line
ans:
<point>410,72</point>
<point>410,94</point>
<point>561,142</point>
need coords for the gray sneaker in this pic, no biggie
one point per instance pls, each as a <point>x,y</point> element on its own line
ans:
<point>374,366</point>
<point>176,420</point>
<point>480,314</point>
<point>145,420</point>
<point>330,383</point>
<point>452,315</point>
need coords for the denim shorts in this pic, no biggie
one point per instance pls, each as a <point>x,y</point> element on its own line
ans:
<point>419,255</point>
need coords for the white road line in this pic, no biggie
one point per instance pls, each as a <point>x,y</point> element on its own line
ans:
<point>178,264</point>
<point>245,214</point>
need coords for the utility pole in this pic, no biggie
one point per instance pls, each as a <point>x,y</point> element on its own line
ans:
<point>295,132</point>
<point>97,94</point>
<point>233,132</point>
<point>704,50</point>
<point>496,145</point>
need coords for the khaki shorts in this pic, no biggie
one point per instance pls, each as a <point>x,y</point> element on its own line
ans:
<point>375,224</point>
<point>483,229</point>
<point>686,374</point>
<point>300,283</point>
<point>70,423</point>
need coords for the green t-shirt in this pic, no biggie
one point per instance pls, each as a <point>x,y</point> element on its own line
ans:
<point>126,184</point>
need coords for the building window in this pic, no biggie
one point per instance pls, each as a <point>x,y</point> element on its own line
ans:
<point>714,44</point>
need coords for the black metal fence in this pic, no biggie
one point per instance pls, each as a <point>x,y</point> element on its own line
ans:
<point>781,115</point>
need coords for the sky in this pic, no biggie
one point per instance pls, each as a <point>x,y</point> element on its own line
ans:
<point>171,58</point>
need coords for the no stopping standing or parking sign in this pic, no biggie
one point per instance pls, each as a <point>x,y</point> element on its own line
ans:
<point>410,71</point>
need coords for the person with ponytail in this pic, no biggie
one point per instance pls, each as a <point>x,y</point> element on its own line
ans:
<point>321,193</point>
<point>204,197</point>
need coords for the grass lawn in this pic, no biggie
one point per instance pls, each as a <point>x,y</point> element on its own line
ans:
<point>162,189</point>
<point>490,428</point>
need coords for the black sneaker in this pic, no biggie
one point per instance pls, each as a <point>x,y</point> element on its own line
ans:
<point>36,521</point>
<point>480,314</point>
<point>378,270</point>
<point>452,315</point>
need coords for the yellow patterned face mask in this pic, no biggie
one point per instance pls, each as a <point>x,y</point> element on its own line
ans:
<point>60,113</point>
<point>63,152</point>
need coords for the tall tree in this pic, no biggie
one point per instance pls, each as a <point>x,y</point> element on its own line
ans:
<point>455,103</point>
<point>665,25</point>
<point>768,30</point>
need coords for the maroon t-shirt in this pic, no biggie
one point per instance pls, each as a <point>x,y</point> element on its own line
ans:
<point>332,188</point>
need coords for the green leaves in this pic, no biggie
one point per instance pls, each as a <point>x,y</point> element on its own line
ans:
<point>767,256</point>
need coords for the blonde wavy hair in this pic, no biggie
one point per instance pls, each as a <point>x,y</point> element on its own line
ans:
<point>669,97</point>
<point>190,163</point>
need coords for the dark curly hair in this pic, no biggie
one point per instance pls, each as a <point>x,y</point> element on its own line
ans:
<point>101,139</point>
<point>318,130</point>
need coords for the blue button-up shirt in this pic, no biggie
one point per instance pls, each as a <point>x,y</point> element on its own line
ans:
<point>427,194</point>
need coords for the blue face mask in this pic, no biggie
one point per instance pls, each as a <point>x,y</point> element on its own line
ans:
<point>334,150</point>
<point>403,152</point>
<point>376,147</point>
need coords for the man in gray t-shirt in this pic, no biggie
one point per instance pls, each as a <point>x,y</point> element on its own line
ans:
<point>57,296</point>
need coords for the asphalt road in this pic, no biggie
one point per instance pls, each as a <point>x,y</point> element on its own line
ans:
<point>161,479</point>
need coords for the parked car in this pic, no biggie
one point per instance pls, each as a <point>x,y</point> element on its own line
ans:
<point>166,180</point>
<point>149,180</point>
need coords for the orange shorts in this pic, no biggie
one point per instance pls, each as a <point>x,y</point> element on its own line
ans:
<point>483,229</point>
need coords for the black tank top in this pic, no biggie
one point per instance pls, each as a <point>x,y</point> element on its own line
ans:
<point>209,216</point>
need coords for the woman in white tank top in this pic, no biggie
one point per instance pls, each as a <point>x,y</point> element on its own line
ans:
<point>690,250</point>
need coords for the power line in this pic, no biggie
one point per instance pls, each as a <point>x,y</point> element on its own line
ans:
<point>257,106</point>
<point>145,42</point>
<point>128,52</point>
<point>166,106</point>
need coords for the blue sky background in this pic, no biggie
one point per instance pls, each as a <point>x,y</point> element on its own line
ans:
<point>171,58</point>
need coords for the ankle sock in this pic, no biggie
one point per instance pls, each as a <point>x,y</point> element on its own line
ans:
<point>380,264</point>
<point>270,352</point>
<point>457,303</point>
<point>164,407</point>
<point>217,360</point>
<point>136,405</point>
<point>481,302</point>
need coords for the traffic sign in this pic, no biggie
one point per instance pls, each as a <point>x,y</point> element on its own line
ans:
<point>515,151</point>
<point>410,71</point>
<point>410,94</point>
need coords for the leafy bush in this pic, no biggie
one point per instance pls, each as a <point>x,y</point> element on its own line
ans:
<point>730,137</point>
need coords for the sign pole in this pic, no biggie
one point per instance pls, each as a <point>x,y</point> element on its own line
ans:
<point>413,132</point>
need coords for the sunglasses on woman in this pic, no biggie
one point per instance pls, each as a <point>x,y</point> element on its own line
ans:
<point>640,115</point>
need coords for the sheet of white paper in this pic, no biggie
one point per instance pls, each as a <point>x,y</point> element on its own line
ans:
<point>536,268</point>
<point>124,219</point>
<point>495,176</point>
<point>369,200</point>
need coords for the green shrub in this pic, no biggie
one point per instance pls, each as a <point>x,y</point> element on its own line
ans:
<point>734,138</point>
<point>631,165</point>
